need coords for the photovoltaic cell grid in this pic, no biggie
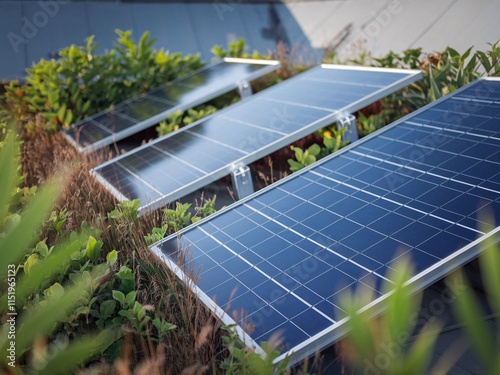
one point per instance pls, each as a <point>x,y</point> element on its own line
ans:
<point>139,113</point>
<point>285,255</point>
<point>180,163</point>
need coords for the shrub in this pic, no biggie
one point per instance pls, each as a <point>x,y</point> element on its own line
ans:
<point>81,82</point>
<point>180,118</point>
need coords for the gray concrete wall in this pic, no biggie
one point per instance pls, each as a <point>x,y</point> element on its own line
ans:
<point>31,30</point>
<point>383,25</point>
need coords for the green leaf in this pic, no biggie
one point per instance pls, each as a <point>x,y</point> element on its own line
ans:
<point>86,106</point>
<point>73,52</point>
<point>400,304</point>
<point>310,159</point>
<point>91,246</point>
<point>422,350</point>
<point>435,93</point>
<point>112,257</point>
<point>55,291</point>
<point>107,308</point>
<point>43,273</point>
<point>453,53</point>
<point>139,310</point>
<point>490,261</point>
<point>471,66</point>
<point>8,167</point>
<point>30,262</point>
<point>42,249</point>
<point>53,98</point>
<point>314,150</point>
<point>359,324</point>
<point>470,314</point>
<point>69,117</point>
<point>130,298</point>
<point>299,154</point>
<point>294,166</point>
<point>485,61</point>
<point>119,296</point>
<point>161,58</point>
<point>127,279</point>
<point>61,113</point>
<point>67,359</point>
<point>45,317</point>
<point>49,115</point>
<point>466,54</point>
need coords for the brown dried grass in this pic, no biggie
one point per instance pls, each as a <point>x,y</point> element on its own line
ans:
<point>195,344</point>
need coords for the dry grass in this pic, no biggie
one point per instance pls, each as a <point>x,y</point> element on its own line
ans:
<point>195,346</point>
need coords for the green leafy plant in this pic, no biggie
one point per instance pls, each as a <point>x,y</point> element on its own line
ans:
<point>170,124</point>
<point>369,124</point>
<point>41,303</point>
<point>178,218</point>
<point>242,360</point>
<point>181,216</point>
<point>126,211</point>
<point>304,158</point>
<point>179,119</point>
<point>81,82</point>
<point>332,140</point>
<point>484,341</point>
<point>207,208</point>
<point>58,219</point>
<point>156,235</point>
<point>444,72</point>
<point>235,48</point>
<point>194,115</point>
<point>387,343</point>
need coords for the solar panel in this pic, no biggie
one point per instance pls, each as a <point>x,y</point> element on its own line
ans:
<point>285,255</point>
<point>139,113</point>
<point>197,155</point>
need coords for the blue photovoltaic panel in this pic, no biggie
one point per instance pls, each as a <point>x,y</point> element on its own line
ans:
<point>149,109</point>
<point>180,163</point>
<point>280,260</point>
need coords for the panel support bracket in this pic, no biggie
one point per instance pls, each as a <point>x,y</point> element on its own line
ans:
<point>241,177</point>
<point>349,123</point>
<point>244,89</point>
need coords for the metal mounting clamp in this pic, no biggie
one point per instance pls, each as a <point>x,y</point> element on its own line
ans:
<point>351,132</point>
<point>241,177</point>
<point>244,89</point>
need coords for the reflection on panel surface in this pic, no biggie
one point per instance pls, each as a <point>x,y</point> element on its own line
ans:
<point>285,255</point>
<point>252,129</point>
<point>136,114</point>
